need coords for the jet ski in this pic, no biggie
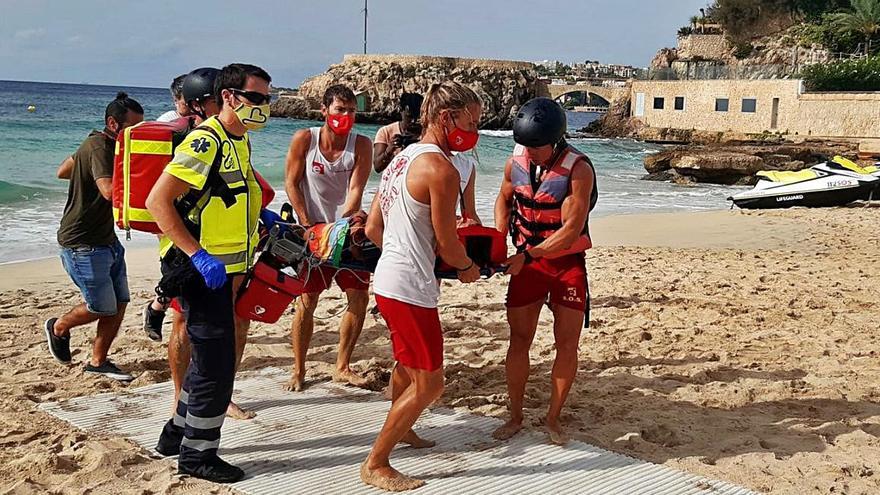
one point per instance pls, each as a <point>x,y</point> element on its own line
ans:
<point>834,183</point>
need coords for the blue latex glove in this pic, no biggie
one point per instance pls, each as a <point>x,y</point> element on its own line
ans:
<point>269,218</point>
<point>212,269</point>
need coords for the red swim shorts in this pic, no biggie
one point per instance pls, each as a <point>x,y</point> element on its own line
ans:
<point>563,279</point>
<point>175,305</point>
<point>320,278</point>
<point>416,338</point>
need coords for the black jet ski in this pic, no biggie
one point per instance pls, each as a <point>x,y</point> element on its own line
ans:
<point>833,183</point>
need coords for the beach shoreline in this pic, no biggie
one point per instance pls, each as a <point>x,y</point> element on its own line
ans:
<point>736,345</point>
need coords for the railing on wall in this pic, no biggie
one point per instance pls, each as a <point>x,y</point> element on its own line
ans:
<point>719,71</point>
<point>716,69</point>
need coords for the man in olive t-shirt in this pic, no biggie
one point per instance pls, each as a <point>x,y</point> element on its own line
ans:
<point>88,216</point>
<point>90,252</point>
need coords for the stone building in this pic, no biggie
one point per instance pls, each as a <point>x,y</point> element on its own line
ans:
<point>755,107</point>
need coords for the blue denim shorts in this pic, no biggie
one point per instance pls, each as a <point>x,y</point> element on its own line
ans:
<point>100,274</point>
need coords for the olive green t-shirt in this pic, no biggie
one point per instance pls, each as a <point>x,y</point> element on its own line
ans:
<point>88,217</point>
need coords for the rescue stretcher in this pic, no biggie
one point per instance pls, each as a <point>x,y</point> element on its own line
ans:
<point>289,254</point>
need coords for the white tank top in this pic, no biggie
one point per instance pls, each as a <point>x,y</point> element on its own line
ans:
<point>465,164</point>
<point>325,183</point>
<point>405,271</point>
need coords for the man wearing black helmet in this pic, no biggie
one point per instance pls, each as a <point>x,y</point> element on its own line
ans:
<point>546,196</point>
<point>198,92</point>
<point>197,97</point>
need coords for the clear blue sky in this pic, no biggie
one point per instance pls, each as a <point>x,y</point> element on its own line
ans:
<point>148,42</point>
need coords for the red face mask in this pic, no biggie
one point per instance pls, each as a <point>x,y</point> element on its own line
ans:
<point>460,140</point>
<point>340,124</point>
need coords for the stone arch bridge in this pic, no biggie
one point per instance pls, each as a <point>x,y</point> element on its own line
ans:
<point>611,95</point>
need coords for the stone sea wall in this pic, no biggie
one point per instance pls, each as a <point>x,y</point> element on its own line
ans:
<point>438,61</point>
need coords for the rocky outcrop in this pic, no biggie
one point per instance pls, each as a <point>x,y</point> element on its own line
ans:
<point>725,164</point>
<point>286,106</point>
<point>502,86</point>
<point>664,58</point>
<point>616,122</point>
<point>712,56</point>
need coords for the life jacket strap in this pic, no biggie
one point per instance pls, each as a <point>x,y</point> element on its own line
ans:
<point>533,226</point>
<point>534,204</point>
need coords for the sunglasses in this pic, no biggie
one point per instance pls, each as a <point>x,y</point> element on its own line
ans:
<point>253,96</point>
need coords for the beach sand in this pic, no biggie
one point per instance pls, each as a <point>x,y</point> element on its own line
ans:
<point>736,345</point>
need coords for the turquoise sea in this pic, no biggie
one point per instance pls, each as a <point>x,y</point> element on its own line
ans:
<point>34,144</point>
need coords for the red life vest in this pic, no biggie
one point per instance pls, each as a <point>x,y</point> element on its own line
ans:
<point>537,213</point>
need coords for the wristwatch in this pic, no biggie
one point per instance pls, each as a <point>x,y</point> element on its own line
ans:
<point>528,257</point>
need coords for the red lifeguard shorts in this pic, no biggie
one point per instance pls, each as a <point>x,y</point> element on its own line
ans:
<point>175,305</point>
<point>320,278</point>
<point>563,279</point>
<point>416,337</point>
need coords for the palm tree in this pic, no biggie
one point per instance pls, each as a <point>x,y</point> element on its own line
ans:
<point>864,18</point>
<point>694,20</point>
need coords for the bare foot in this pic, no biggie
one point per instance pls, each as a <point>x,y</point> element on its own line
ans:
<point>557,433</point>
<point>349,377</point>
<point>295,384</point>
<point>416,441</point>
<point>389,479</point>
<point>235,411</point>
<point>507,430</point>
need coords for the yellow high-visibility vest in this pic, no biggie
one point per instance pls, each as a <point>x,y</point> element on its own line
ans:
<point>228,233</point>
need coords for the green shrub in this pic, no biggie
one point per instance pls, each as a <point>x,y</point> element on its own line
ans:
<point>835,39</point>
<point>809,34</point>
<point>744,19</point>
<point>742,49</point>
<point>821,32</point>
<point>848,75</point>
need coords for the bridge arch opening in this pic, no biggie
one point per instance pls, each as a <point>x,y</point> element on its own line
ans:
<point>582,98</point>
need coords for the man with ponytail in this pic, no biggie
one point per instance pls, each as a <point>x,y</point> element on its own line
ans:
<point>413,219</point>
<point>325,174</point>
<point>90,252</point>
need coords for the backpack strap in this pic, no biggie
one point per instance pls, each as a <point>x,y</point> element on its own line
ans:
<point>214,185</point>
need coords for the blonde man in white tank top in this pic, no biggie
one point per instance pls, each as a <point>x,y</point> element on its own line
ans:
<point>326,171</point>
<point>413,219</point>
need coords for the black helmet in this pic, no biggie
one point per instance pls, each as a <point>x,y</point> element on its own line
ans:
<point>199,84</point>
<point>541,121</point>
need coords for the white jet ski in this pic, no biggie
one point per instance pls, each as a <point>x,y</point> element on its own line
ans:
<point>834,183</point>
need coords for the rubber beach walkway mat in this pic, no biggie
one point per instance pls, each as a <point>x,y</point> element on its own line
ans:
<point>314,442</point>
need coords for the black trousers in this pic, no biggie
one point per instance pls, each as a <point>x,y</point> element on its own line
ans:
<point>207,387</point>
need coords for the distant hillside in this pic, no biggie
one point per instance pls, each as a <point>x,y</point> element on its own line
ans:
<point>748,19</point>
<point>760,39</point>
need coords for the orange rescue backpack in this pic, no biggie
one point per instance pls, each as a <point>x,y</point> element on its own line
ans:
<point>142,151</point>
